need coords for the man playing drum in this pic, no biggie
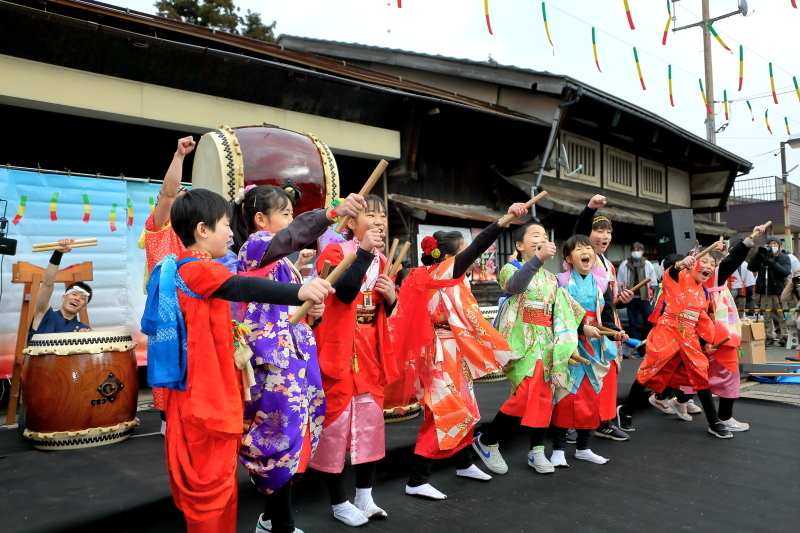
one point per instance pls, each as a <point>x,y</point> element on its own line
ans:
<point>74,300</point>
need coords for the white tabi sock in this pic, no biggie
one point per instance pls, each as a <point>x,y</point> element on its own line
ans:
<point>349,514</point>
<point>425,491</point>
<point>473,472</point>
<point>589,455</point>
<point>367,505</point>
<point>558,459</point>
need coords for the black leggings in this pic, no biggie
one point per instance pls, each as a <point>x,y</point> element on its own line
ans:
<point>421,466</point>
<point>560,438</point>
<point>637,389</point>
<point>503,425</point>
<point>365,478</point>
<point>278,508</point>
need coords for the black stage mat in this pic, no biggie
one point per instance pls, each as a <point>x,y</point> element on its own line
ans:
<point>671,475</point>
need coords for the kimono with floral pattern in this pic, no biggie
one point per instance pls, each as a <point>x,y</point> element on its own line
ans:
<point>284,418</point>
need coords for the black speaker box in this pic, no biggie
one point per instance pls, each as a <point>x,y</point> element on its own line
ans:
<point>674,231</point>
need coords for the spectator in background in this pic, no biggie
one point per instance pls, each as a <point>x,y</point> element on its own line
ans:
<point>795,262</point>
<point>773,268</point>
<point>791,297</point>
<point>743,284</point>
<point>631,272</point>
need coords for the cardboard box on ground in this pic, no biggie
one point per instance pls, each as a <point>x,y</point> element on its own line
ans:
<point>754,344</point>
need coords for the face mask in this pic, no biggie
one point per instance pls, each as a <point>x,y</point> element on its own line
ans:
<point>774,249</point>
<point>636,255</point>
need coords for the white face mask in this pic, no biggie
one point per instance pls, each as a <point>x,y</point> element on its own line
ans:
<point>774,249</point>
<point>636,255</point>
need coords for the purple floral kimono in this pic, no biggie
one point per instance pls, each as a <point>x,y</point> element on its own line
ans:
<point>288,403</point>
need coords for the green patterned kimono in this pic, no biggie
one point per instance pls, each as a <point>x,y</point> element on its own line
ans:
<point>530,342</point>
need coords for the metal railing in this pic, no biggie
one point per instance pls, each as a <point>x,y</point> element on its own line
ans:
<point>766,189</point>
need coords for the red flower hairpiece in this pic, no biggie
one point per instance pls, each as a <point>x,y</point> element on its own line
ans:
<point>429,244</point>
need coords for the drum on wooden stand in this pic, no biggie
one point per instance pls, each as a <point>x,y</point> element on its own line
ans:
<point>227,159</point>
<point>80,389</point>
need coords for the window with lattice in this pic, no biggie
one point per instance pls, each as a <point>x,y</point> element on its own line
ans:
<point>583,156</point>
<point>620,171</point>
<point>652,180</point>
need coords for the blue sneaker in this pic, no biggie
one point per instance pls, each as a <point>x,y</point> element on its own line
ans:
<point>490,455</point>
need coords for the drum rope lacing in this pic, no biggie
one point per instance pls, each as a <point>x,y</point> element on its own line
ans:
<point>80,341</point>
<point>230,165</point>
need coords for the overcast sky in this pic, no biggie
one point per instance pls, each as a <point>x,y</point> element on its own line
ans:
<point>457,28</point>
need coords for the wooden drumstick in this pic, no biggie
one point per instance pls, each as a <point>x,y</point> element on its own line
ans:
<point>704,252</point>
<point>326,268</point>
<point>755,234</point>
<point>376,174</point>
<point>77,241</point>
<point>390,257</point>
<point>635,288</point>
<point>336,274</point>
<point>58,246</point>
<point>720,343</point>
<point>505,220</point>
<point>399,263</point>
<point>576,360</point>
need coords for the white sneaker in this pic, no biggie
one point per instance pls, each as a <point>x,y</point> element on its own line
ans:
<point>558,459</point>
<point>538,461</point>
<point>163,427</point>
<point>349,514</point>
<point>680,409</point>
<point>473,472</point>
<point>425,491</point>
<point>732,424</point>
<point>263,525</point>
<point>367,505</point>
<point>589,455</point>
<point>661,405</point>
<point>692,409</point>
<point>490,455</point>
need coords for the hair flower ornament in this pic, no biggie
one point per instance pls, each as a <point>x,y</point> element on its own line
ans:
<point>430,247</point>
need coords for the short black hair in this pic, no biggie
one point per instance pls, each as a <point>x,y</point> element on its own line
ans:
<point>519,233</point>
<point>83,286</point>
<point>573,243</point>
<point>374,203</point>
<point>194,207</point>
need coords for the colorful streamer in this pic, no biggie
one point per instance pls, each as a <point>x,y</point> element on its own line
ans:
<point>486,10</point>
<point>752,117</point>
<point>741,66</point>
<point>638,66</point>
<point>546,27</point>
<point>399,3</point>
<point>628,13</point>
<point>669,77</point>
<point>112,218</point>
<point>772,84</point>
<point>594,48</point>
<point>796,88</point>
<point>725,103</point>
<point>786,121</point>
<point>705,100</point>
<point>23,201</point>
<point>130,212</point>
<point>87,209</point>
<point>794,4</point>
<point>53,202</point>
<point>152,204</point>
<point>669,19</point>
<point>719,39</point>
<point>766,119</point>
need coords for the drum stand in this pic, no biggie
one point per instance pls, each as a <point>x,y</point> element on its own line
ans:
<point>32,276</point>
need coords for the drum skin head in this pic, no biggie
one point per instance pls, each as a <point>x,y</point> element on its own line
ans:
<point>218,164</point>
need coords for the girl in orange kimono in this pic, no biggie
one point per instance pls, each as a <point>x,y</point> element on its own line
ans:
<point>679,344</point>
<point>440,333</point>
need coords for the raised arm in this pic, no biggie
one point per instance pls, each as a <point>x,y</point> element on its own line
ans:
<point>172,182</point>
<point>584,224</point>
<point>482,242</point>
<point>48,284</point>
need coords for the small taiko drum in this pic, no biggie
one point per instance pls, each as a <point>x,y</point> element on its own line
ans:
<point>227,159</point>
<point>80,389</point>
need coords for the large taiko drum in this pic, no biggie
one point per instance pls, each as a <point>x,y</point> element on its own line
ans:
<point>80,389</point>
<point>227,159</point>
<point>397,406</point>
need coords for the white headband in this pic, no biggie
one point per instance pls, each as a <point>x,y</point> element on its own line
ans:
<point>79,291</point>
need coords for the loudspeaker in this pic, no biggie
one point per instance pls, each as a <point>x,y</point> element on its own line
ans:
<point>674,232</point>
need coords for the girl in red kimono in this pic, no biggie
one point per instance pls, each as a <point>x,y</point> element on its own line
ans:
<point>439,331</point>
<point>355,357</point>
<point>679,344</point>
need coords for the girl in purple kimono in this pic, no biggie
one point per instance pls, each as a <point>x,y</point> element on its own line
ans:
<point>284,417</point>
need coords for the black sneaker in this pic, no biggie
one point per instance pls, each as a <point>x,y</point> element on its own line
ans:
<point>572,436</point>
<point>719,430</point>
<point>609,430</point>
<point>782,342</point>
<point>624,421</point>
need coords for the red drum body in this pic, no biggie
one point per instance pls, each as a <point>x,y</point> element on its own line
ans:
<point>80,389</point>
<point>227,159</point>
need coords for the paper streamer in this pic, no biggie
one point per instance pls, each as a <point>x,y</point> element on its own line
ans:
<point>796,88</point>
<point>486,10</point>
<point>152,204</point>
<point>705,100</point>
<point>669,19</point>
<point>766,120</point>
<point>130,212</point>
<point>786,121</point>
<point>594,48</point>
<point>399,3</point>
<point>53,202</point>
<point>752,117</point>
<point>741,66</point>
<point>112,218</point>
<point>725,103</point>
<point>23,201</point>
<point>669,77</point>
<point>638,66</point>
<point>546,27</point>
<point>772,84</point>
<point>87,209</point>
<point>719,39</point>
<point>628,13</point>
